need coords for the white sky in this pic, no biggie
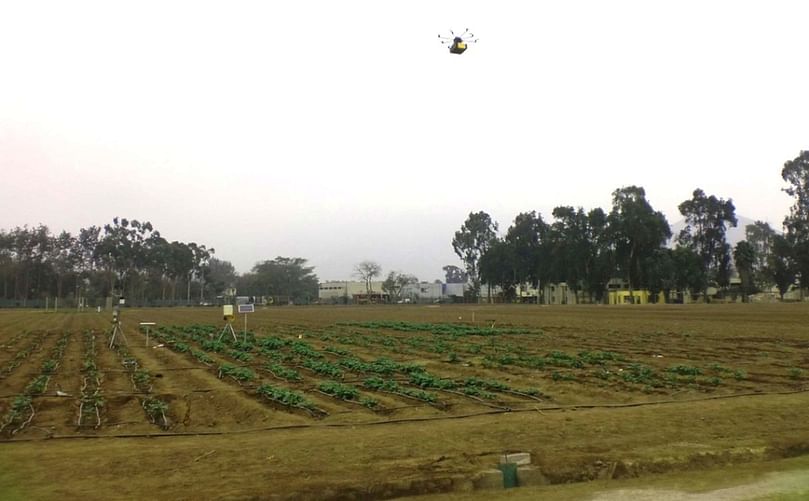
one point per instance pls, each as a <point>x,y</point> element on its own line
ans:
<point>343,131</point>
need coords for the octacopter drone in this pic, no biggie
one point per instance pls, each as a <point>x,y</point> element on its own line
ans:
<point>457,43</point>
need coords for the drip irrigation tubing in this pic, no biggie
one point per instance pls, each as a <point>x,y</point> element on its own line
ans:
<point>404,420</point>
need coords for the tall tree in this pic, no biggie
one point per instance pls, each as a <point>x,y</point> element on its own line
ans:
<point>744,255</point>
<point>498,266</point>
<point>707,219</point>
<point>760,236</point>
<point>395,283</point>
<point>782,264</point>
<point>123,251</point>
<point>636,230</point>
<point>454,275</point>
<point>472,241</point>
<point>526,237</point>
<point>287,277</point>
<point>366,271</point>
<point>796,173</point>
<point>218,275</point>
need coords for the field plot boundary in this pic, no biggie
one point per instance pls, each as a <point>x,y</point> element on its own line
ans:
<point>538,409</point>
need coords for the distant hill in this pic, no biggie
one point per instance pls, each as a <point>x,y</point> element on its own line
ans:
<point>734,235</point>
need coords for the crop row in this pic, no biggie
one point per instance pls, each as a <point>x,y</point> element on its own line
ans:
<point>22,409</point>
<point>91,401</point>
<point>453,330</point>
<point>22,354</point>
<point>175,337</point>
<point>282,352</point>
<point>141,379</point>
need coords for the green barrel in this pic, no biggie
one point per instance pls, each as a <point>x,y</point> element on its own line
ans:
<point>509,474</point>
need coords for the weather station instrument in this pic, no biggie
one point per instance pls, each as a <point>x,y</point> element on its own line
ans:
<point>117,329</point>
<point>227,313</point>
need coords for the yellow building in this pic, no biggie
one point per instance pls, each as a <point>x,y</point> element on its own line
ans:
<point>642,296</point>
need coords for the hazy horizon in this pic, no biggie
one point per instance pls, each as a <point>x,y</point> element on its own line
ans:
<point>345,132</point>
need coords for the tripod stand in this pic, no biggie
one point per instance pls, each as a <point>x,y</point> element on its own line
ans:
<point>116,329</point>
<point>228,328</point>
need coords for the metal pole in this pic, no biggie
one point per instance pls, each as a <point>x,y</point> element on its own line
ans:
<point>245,327</point>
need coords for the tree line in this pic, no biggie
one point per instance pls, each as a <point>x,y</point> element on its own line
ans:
<point>588,248</point>
<point>130,258</point>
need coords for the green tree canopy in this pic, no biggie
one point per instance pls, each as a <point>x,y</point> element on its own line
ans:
<point>707,219</point>
<point>636,230</point>
<point>472,241</point>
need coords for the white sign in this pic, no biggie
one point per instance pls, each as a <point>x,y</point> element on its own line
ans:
<point>246,308</point>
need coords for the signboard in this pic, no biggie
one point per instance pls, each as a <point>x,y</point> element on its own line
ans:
<point>247,308</point>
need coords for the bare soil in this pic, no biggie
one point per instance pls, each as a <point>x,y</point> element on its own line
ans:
<point>682,387</point>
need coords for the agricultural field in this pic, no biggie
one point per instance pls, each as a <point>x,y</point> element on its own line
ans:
<point>386,401</point>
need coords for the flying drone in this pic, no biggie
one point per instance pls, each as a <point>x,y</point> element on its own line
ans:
<point>457,43</point>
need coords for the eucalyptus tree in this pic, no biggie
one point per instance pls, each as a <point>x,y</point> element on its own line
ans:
<point>636,231</point>
<point>218,275</point>
<point>527,238</point>
<point>744,256</point>
<point>122,249</point>
<point>474,238</point>
<point>64,260</point>
<point>796,173</point>
<point>707,218</point>
<point>287,277</point>
<point>498,266</point>
<point>761,236</point>
<point>781,265</point>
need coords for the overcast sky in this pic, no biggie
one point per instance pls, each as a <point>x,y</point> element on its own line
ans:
<point>343,131</point>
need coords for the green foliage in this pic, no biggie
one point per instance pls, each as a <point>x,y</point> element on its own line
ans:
<point>240,355</point>
<point>213,345</point>
<point>477,392</point>
<point>272,343</point>
<point>488,384</point>
<point>284,396</point>
<point>639,373</point>
<point>451,330</point>
<point>707,219</point>
<point>49,366</point>
<point>21,402</point>
<point>305,350</point>
<point>425,380</point>
<point>795,373</point>
<point>37,385</point>
<point>283,372</point>
<point>598,357</point>
<point>339,390</point>
<point>369,402</point>
<point>283,276</point>
<point>324,368</point>
<point>685,370</point>
<point>202,356</point>
<point>238,373</point>
<point>141,378</point>
<point>156,409</point>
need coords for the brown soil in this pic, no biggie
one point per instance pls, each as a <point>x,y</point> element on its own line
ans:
<point>239,445</point>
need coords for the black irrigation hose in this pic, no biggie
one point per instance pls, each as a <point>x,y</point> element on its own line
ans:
<point>403,420</point>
